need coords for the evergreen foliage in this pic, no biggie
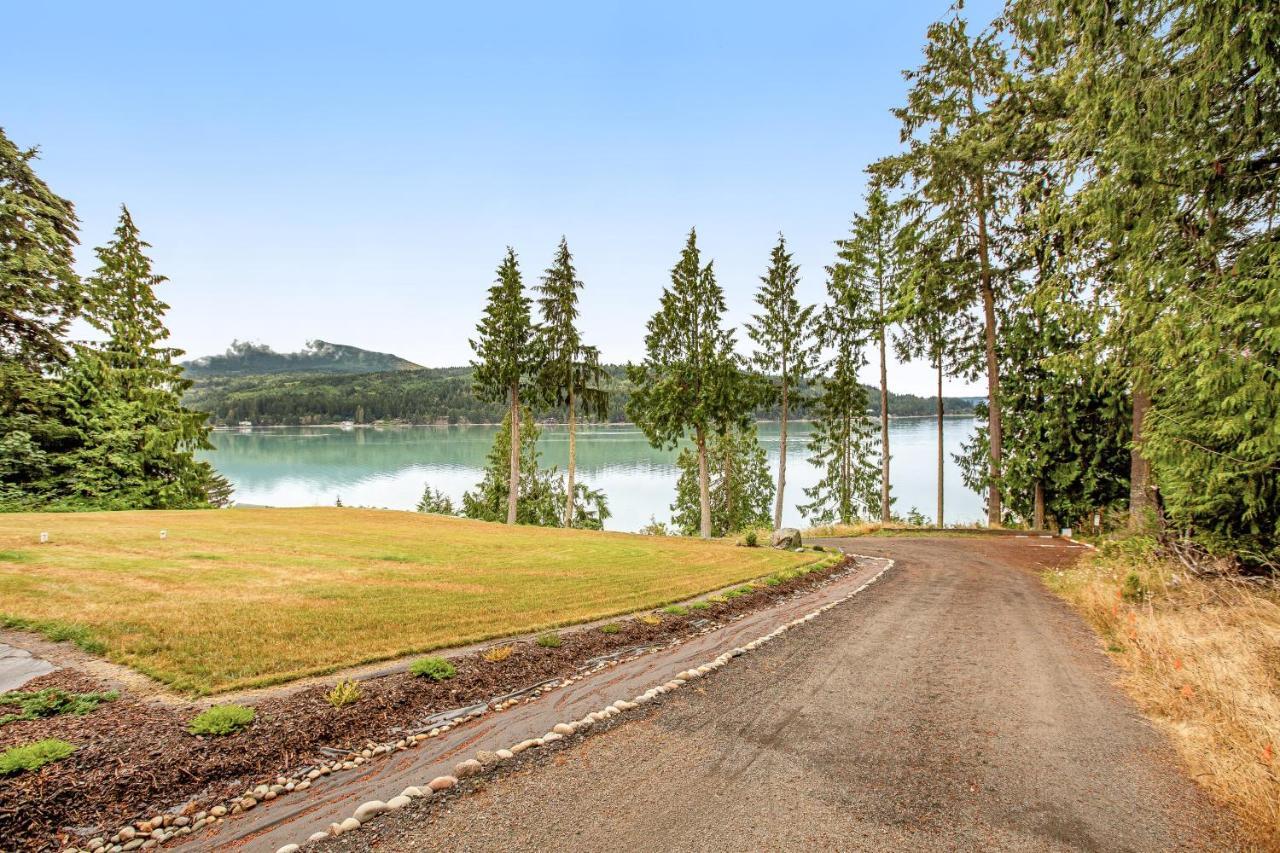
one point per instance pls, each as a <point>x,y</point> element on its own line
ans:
<point>741,488</point>
<point>785,352</point>
<point>690,379</point>
<point>435,501</point>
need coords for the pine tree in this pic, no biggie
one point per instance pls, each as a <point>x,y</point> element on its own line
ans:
<point>571,374</point>
<point>690,379</point>
<point>841,444</point>
<point>782,332</point>
<point>506,362</point>
<point>952,172</point>
<point>741,489</point>
<point>124,396</point>
<point>869,256</point>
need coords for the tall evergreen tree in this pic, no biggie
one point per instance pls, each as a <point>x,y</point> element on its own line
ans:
<point>869,256</point>
<point>782,332</point>
<point>136,440</point>
<point>39,295</point>
<point>690,379</point>
<point>506,362</point>
<point>571,374</point>
<point>842,443</point>
<point>954,177</point>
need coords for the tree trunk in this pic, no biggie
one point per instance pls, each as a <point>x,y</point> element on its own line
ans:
<point>884,424</point>
<point>994,514</point>
<point>573,448</point>
<point>941,456</point>
<point>704,486</point>
<point>782,455</point>
<point>730,513</point>
<point>513,480</point>
<point>1139,468</point>
<point>1037,521</point>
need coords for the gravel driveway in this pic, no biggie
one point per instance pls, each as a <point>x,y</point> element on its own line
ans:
<point>955,705</point>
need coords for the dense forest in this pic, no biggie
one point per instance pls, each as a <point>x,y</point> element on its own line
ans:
<point>244,358</point>
<point>432,395</point>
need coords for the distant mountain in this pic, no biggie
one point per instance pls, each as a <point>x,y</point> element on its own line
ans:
<point>243,358</point>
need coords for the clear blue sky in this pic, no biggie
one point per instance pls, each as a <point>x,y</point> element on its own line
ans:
<point>353,172</point>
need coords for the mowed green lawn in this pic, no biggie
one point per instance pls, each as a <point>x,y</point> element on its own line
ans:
<point>249,597</point>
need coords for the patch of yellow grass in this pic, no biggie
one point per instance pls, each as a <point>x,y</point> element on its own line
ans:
<point>831,531</point>
<point>250,597</point>
<point>1202,659</point>
<point>498,654</point>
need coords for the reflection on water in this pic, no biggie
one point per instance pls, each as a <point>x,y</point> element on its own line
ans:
<point>388,467</point>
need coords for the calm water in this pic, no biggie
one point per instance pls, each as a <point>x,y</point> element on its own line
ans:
<point>388,467</point>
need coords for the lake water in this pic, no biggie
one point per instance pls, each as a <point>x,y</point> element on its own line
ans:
<point>365,466</point>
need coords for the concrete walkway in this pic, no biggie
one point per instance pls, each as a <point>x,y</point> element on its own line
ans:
<point>18,666</point>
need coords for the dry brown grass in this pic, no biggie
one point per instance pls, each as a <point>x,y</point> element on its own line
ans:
<point>1202,659</point>
<point>498,654</point>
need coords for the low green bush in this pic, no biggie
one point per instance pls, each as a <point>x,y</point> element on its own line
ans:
<point>676,609</point>
<point>437,669</point>
<point>221,720</point>
<point>344,693</point>
<point>751,539</point>
<point>700,605</point>
<point>50,702</point>
<point>611,628</point>
<point>33,756</point>
<point>549,641</point>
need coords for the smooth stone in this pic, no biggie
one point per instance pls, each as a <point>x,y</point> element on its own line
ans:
<point>412,791</point>
<point>551,737</point>
<point>442,783</point>
<point>317,836</point>
<point>269,796</point>
<point>247,803</point>
<point>348,825</point>
<point>505,754</point>
<point>470,767</point>
<point>128,833</point>
<point>218,811</point>
<point>369,809</point>
<point>303,785</point>
<point>562,729</point>
<point>290,848</point>
<point>487,757</point>
<point>396,803</point>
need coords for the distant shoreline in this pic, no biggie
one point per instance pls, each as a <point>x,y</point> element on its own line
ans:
<point>405,425</point>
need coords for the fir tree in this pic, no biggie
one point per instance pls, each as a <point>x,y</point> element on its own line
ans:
<point>690,379</point>
<point>842,444</point>
<point>741,488</point>
<point>869,256</point>
<point>782,332</point>
<point>571,374</point>
<point>506,362</point>
<point>136,441</point>
<point>953,175</point>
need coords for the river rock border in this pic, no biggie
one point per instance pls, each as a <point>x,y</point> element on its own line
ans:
<point>154,831</point>
<point>485,759</point>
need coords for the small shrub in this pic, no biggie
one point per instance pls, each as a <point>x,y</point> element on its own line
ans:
<point>818,548</point>
<point>676,609</point>
<point>437,669</point>
<point>33,756</point>
<point>700,605</point>
<point>549,641</point>
<point>221,720</point>
<point>1134,590</point>
<point>611,628</point>
<point>751,540</point>
<point>774,580</point>
<point>651,619</point>
<point>50,703</point>
<point>343,694</point>
<point>498,654</point>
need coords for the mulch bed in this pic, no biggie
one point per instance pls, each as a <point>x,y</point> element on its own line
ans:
<point>135,758</point>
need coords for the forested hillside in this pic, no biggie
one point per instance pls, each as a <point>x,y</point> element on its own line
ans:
<point>243,358</point>
<point>421,396</point>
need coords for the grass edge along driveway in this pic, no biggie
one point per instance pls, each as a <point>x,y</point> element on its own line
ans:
<point>239,598</point>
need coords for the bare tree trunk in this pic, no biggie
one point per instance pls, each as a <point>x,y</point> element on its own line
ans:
<point>994,425</point>
<point>704,486</point>
<point>1037,521</point>
<point>940,446</point>
<point>573,458</point>
<point>884,424</point>
<point>1139,468</point>
<point>513,480</point>
<point>782,455</point>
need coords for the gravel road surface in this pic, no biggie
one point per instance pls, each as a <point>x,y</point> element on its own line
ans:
<point>954,705</point>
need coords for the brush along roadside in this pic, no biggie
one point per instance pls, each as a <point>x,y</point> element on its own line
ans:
<point>137,763</point>
<point>1201,657</point>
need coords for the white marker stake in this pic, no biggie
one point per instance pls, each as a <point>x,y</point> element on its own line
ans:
<point>163,534</point>
<point>44,537</point>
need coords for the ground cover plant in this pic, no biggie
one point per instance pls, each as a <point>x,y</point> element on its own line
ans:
<point>437,669</point>
<point>33,756</point>
<point>308,591</point>
<point>1200,658</point>
<point>221,720</point>
<point>31,704</point>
